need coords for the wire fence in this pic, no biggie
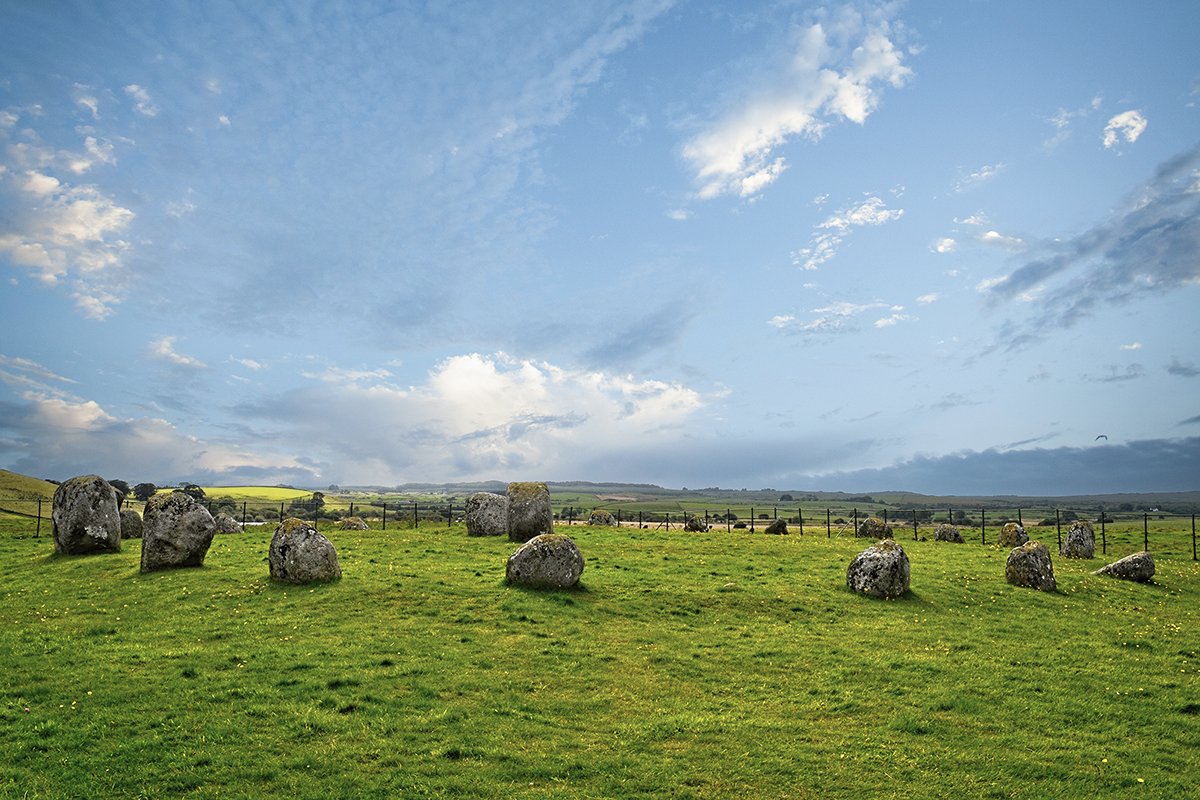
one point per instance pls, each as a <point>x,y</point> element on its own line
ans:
<point>1165,533</point>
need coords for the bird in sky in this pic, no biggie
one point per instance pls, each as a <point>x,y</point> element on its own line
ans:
<point>1102,436</point>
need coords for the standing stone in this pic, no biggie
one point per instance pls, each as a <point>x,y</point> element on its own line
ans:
<point>177,532</point>
<point>1137,567</point>
<point>529,513</point>
<point>487,514</point>
<point>353,524</point>
<point>1029,565</point>
<point>1012,535</point>
<point>131,524</point>
<point>882,570</point>
<point>695,524</point>
<point>85,516</point>
<point>947,533</point>
<point>1080,542</point>
<point>602,518</point>
<point>225,523</point>
<point>549,561</point>
<point>874,528</point>
<point>777,528</point>
<point>299,554</point>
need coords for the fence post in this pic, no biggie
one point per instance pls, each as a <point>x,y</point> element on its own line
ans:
<point>1193,535</point>
<point>316,515</point>
<point>1103,535</point>
<point>775,513</point>
<point>1058,527</point>
<point>856,522</point>
<point>449,513</point>
<point>752,519</point>
<point>639,520</point>
<point>885,516</point>
<point>281,511</point>
<point>38,533</point>
<point>983,526</point>
<point>1146,531</point>
<point>828,530</point>
<point>706,525</point>
<point>914,525</point>
<point>416,522</point>
<point>385,516</point>
<point>618,517</point>
<point>800,513</point>
<point>668,520</point>
<point>1020,521</point>
<point>950,514</point>
<point>243,513</point>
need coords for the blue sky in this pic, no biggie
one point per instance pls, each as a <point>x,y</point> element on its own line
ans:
<point>931,246</point>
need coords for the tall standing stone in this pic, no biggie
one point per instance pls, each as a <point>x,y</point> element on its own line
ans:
<point>1080,542</point>
<point>177,532</point>
<point>529,512</point>
<point>1029,565</point>
<point>85,516</point>
<point>486,514</point>
<point>299,554</point>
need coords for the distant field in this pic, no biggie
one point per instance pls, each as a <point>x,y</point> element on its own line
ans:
<point>687,666</point>
<point>272,493</point>
<point>16,486</point>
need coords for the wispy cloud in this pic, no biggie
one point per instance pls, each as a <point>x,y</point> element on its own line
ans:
<point>163,349</point>
<point>977,177</point>
<point>141,100</point>
<point>832,69</point>
<point>1183,369</point>
<point>829,235</point>
<point>1116,374</point>
<point>945,245</point>
<point>1127,125</point>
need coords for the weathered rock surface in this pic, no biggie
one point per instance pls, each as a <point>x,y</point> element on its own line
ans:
<point>695,525</point>
<point>947,533</point>
<point>487,514</point>
<point>353,524</point>
<point>131,524</point>
<point>1080,542</point>
<point>1012,535</point>
<point>601,517</point>
<point>777,528</point>
<point>882,570</point>
<point>549,561</point>
<point>299,554</point>
<point>85,516</point>
<point>1029,565</point>
<point>874,528</point>
<point>177,532</point>
<point>225,523</point>
<point>529,513</point>
<point>1137,567</point>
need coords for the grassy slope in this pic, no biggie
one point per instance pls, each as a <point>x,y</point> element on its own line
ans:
<point>689,666</point>
<point>15,485</point>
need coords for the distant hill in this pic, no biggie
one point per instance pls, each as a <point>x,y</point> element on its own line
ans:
<point>15,486</point>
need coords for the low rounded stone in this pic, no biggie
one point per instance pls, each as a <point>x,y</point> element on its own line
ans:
<point>947,533</point>
<point>695,525</point>
<point>131,524</point>
<point>777,528</point>
<point>873,528</point>
<point>1012,534</point>
<point>549,561</point>
<point>225,523</point>
<point>882,570</point>
<point>1136,567</point>
<point>486,514</point>
<point>85,517</point>
<point>177,532</point>
<point>353,524</point>
<point>601,517</point>
<point>300,554</point>
<point>1029,565</point>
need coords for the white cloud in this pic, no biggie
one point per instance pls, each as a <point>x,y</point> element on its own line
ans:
<point>781,320</point>
<point>340,376</point>
<point>945,245</point>
<point>976,219</point>
<point>926,299</point>
<point>989,283</point>
<point>141,100</point>
<point>979,176</point>
<point>248,363</point>
<point>1000,240</point>
<point>223,120</point>
<point>896,317</point>
<point>163,349</point>
<point>832,70</point>
<point>830,234</point>
<point>1132,346</point>
<point>679,214</point>
<point>1127,125</point>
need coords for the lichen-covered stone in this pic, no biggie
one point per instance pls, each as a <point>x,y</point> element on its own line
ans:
<point>882,570</point>
<point>1012,535</point>
<point>177,532</point>
<point>225,523</point>
<point>353,524</point>
<point>549,561</point>
<point>873,528</point>
<point>1080,542</point>
<point>695,524</point>
<point>601,517</point>
<point>487,514</point>
<point>1136,567</point>
<point>299,554</point>
<point>131,524</point>
<point>85,516</point>
<point>777,528</point>
<point>947,533</point>
<point>1029,565</point>
<point>529,513</point>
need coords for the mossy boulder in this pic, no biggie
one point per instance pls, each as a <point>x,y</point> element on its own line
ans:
<point>1136,567</point>
<point>131,524</point>
<point>353,524</point>
<point>601,517</point>
<point>1012,535</point>
<point>529,512</point>
<point>947,533</point>
<point>299,554</point>
<point>1029,566</point>
<point>549,561</point>
<point>695,524</point>
<point>486,514</point>
<point>1080,542</point>
<point>225,523</point>
<point>177,532</point>
<point>85,516</point>
<point>873,528</point>
<point>882,570</point>
<point>777,528</point>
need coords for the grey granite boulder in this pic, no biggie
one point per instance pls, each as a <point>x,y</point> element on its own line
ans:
<point>882,570</point>
<point>85,516</point>
<point>225,523</point>
<point>549,561</point>
<point>947,533</point>
<point>299,554</point>
<point>177,532</point>
<point>777,528</point>
<point>1029,565</point>
<point>695,524</point>
<point>487,514</point>
<point>1012,535</point>
<point>529,513</point>
<point>1080,542</point>
<point>1137,567</point>
<point>874,528</point>
<point>353,524</point>
<point>601,517</point>
<point>131,524</point>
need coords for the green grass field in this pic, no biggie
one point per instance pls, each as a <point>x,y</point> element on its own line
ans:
<point>710,665</point>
